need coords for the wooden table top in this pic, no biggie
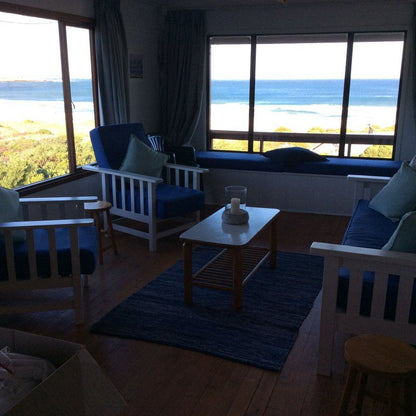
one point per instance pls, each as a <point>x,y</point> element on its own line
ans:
<point>97,206</point>
<point>213,231</point>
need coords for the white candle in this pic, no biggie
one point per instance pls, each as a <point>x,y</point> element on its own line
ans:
<point>235,205</point>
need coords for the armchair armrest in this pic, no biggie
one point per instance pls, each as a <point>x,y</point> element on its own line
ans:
<point>54,207</point>
<point>367,255</point>
<point>122,174</point>
<point>184,175</point>
<point>32,225</point>
<point>60,199</point>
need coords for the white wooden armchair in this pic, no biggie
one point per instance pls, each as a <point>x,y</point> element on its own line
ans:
<point>138,198</point>
<point>55,254</point>
<point>359,260</point>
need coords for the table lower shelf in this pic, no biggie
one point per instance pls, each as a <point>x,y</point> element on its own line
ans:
<point>218,273</point>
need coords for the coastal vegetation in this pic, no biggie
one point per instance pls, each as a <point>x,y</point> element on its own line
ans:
<point>32,151</point>
<point>373,151</point>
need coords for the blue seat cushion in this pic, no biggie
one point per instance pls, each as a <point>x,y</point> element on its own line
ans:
<point>171,201</point>
<point>368,228</point>
<point>88,243</point>
<point>367,294</point>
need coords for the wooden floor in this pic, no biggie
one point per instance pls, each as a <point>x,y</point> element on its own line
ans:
<point>161,380</point>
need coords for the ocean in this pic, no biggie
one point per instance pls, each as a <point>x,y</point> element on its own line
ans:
<point>300,105</point>
<point>43,101</point>
<point>81,90</point>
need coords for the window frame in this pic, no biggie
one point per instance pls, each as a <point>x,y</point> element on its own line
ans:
<point>64,20</point>
<point>344,139</point>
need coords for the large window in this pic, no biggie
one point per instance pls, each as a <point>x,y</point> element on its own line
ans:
<point>335,94</point>
<point>46,97</point>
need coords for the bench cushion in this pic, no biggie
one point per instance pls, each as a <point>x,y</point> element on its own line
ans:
<point>331,166</point>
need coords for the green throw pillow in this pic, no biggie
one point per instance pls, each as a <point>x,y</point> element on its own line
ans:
<point>10,211</point>
<point>404,237</point>
<point>398,196</point>
<point>141,159</point>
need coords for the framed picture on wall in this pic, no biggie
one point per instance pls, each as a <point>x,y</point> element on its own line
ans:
<point>136,66</point>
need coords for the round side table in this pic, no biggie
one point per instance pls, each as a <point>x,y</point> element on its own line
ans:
<point>94,209</point>
<point>379,356</point>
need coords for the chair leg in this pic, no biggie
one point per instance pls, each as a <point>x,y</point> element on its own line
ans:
<point>346,396</point>
<point>110,230</point>
<point>78,301</point>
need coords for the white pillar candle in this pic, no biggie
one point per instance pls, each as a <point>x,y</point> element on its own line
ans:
<point>235,205</point>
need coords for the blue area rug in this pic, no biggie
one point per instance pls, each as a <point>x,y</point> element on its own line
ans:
<point>275,303</point>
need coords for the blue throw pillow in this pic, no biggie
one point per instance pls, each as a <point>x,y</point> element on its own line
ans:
<point>10,211</point>
<point>398,196</point>
<point>291,156</point>
<point>141,159</point>
<point>404,237</point>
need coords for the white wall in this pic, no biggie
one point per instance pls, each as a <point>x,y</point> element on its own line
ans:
<point>316,17</point>
<point>142,23</point>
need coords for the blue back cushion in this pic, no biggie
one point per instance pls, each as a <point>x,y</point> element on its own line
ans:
<point>110,143</point>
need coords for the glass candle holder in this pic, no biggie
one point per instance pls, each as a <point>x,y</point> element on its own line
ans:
<point>235,198</point>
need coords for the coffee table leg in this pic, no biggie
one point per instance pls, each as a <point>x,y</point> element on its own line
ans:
<point>273,244</point>
<point>187,272</point>
<point>237,253</point>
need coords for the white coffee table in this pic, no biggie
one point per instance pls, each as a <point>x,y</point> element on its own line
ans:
<point>235,265</point>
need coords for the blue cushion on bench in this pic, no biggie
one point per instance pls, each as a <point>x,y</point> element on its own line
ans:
<point>331,166</point>
<point>171,201</point>
<point>234,160</point>
<point>88,253</point>
<point>344,166</point>
<point>287,157</point>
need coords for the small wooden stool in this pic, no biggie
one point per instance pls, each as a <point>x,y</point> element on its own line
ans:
<point>94,209</point>
<point>379,356</point>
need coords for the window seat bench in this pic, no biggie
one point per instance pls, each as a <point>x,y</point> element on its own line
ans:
<point>316,187</point>
<point>333,166</point>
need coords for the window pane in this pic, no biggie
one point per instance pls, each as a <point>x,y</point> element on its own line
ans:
<point>79,57</point>
<point>299,89</point>
<point>375,80</point>
<point>230,85</point>
<point>32,132</point>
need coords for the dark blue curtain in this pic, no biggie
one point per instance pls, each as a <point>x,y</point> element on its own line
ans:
<point>112,62</point>
<point>182,74</point>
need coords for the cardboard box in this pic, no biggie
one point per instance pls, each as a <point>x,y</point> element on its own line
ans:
<point>78,386</point>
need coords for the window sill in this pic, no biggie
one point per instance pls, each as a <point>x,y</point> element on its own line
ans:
<point>50,183</point>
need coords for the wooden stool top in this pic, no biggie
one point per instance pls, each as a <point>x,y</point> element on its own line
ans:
<point>97,206</point>
<point>381,356</point>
